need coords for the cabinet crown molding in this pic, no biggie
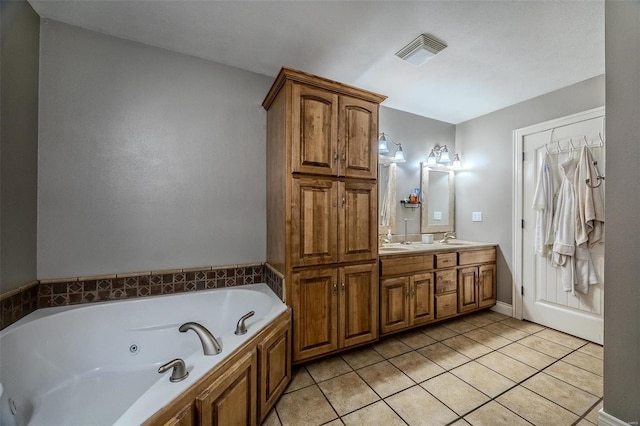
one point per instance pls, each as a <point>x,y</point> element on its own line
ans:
<point>313,80</point>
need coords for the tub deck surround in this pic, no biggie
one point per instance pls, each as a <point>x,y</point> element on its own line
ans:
<point>22,301</point>
<point>103,368</point>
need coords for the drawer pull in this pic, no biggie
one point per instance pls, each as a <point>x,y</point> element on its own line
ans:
<point>446,306</point>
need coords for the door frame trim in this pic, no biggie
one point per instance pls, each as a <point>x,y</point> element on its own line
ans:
<point>517,208</point>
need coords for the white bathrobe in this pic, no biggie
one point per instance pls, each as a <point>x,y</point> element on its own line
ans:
<point>574,260</point>
<point>589,200</point>
<point>543,203</point>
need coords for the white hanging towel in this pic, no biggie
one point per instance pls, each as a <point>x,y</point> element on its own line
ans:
<point>543,203</point>
<point>573,259</point>
<point>589,201</point>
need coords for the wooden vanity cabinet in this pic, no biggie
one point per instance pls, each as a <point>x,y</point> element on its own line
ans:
<point>421,287</point>
<point>337,308</point>
<point>332,221</point>
<point>185,417</point>
<point>406,301</point>
<point>406,291</point>
<point>476,283</point>
<point>446,288</point>
<point>322,227</point>
<point>332,133</point>
<point>231,400</point>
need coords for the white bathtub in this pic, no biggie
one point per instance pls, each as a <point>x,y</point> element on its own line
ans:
<point>78,365</point>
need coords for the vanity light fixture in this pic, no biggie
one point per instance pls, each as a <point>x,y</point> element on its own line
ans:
<point>457,164</point>
<point>383,148</point>
<point>441,157</point>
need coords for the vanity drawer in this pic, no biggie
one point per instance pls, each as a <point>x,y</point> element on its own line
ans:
<point>446,260</point>
<point>446,305</point>
<point>403,265</point>
<point>477,256</point>
<point>446,281</point>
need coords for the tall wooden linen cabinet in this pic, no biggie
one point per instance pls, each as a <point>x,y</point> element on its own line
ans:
<point>322,209</point>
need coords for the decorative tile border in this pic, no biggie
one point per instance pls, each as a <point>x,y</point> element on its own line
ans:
<point>72,291</point>
<point>275,280</point>
<point>18,303</point>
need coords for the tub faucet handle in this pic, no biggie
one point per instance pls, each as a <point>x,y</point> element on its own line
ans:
<point>241,328</point>
<point>179,372</point>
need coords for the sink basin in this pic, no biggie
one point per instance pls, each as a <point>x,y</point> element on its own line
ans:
<point>392,249</point>
<point>455,243</point>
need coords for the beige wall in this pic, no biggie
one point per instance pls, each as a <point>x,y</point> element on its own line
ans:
<point>486,185</point>
<point>622,268</point>
<point>19,28</point>
<point>149,159</point>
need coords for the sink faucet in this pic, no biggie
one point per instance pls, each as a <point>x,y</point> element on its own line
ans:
<point>210,345</point>
<point>448,236</point>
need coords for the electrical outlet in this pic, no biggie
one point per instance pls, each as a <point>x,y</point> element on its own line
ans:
<point>476,216</point>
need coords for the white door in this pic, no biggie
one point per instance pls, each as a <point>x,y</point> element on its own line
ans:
<point>543,299</point>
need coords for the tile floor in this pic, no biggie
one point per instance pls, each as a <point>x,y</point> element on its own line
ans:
<point>483,369</point>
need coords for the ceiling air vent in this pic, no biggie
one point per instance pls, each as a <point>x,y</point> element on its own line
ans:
<point>420,49</point>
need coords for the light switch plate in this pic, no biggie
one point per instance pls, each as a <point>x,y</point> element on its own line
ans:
<point>437,215</point>
<point>476,216</point>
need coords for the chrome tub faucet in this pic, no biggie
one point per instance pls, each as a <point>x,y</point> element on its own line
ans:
<point>210,344</point>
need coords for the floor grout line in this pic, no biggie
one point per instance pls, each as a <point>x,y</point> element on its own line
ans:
<point>475,341</point>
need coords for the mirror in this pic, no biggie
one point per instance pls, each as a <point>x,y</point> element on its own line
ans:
<point>437,188</point>
<point>386,198</point>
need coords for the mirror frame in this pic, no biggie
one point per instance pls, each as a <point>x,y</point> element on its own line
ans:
<point>425,228</point>
<point>382,229</point>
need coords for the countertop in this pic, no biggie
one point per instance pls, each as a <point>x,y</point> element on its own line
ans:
<point>418,247</point>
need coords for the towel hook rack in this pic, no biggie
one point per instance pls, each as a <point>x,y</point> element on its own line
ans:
<point>599,177</point>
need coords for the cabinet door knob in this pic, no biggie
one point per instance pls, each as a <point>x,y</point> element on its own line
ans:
<point>343,287</point>
<point>344,201</point>
<point>335,289</point>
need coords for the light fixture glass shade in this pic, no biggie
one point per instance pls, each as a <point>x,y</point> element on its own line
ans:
<point>399,157</point>
<point>383,146</point>
<point>444,155</point>
<point>432,160</point>
<point>457,164</point>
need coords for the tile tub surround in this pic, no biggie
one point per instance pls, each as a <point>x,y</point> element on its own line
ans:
<point>470,370</point>
<point>18,303</point>
<point>72,291</point>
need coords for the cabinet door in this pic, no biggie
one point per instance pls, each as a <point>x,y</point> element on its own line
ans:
<point>394,306</point>
<point>185,417</point>
<point>314,221</point>
<point>275,367</point>
<point>358,225</point>
<point>467,289</point>
<point>315,312</point>
<point>231,400</point>
<point>486,285</point>
<point>314,138</point>
<point>358,315</point>
<point>358,138</point>
<point>421,299</point>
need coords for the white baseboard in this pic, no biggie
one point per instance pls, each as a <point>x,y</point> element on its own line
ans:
<point>503,308</point>
<point>605,419</point>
